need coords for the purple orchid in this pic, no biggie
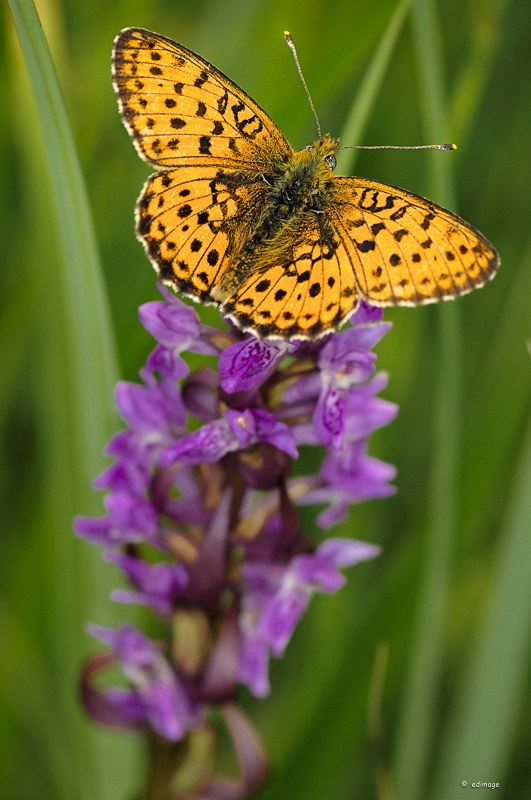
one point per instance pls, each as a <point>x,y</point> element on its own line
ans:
<point>201,508</point>
<point>158,585</point>
<point>275,597</point>
<point>246,365</point>
<point>235,430</point>
<point>157,694</point>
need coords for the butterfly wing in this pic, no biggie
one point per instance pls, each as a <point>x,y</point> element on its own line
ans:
<point>192,220</point>
<point>373,240</point>
<point>180,109</point>
<point>214,144</point>
<point>405,250</point>
<point>301,285</point>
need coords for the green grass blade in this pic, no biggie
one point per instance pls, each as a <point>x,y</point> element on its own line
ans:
<point>482,729</point>
<point>93,360</point>
<point>35,709</point>
<point>75,413</point>
<point>489,457</point>
<point>473,76</point>
<point>369,89</point>
<point>418,722</point>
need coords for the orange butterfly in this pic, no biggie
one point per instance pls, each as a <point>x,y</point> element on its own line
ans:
<point>235,218</point>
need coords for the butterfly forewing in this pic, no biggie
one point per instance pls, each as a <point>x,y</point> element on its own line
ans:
<point>178,108</point>
<point>405,250</point>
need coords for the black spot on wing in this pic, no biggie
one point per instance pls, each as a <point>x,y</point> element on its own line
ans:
<point>202,79</point>
<point>372,200</point>
<point>223,102</point>
<point>425,224</point>
<point>366,246</point>
<point>399,235</point>
<point>399,213</point>
<point>205,143</point>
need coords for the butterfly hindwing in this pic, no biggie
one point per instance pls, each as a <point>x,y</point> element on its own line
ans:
<point>178,108</point>
<point>406,250</point>
<point>304,292</point>
<point>192,220</point>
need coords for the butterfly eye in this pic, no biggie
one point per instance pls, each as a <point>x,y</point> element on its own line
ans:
<point>331,161</point>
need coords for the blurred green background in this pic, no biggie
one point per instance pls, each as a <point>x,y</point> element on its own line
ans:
<point>414,677</point>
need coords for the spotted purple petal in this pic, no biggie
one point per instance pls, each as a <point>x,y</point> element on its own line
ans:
<point>167,705</point>
<point>348,476</point>
<point>269,430</point>
<point>208,444</point>
<point>235,430</point>
<point>175,325</point>
<point>275,597</point>
<point>167,362</point>
<point>159,585</point>
<point>246,365</point>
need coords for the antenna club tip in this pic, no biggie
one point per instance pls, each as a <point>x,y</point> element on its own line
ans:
<point>450,147</point>
<point>287,34</point>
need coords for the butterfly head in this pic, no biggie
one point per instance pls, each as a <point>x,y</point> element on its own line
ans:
<point>321,153</point>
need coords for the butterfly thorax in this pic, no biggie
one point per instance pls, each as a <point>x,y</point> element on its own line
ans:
<point>298,188</point>
<point>301,184</point>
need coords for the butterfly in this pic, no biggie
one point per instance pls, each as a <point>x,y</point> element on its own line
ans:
<point>235,218</point>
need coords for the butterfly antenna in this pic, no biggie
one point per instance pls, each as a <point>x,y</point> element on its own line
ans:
<point>289,40</point>
<point>400,147</point>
